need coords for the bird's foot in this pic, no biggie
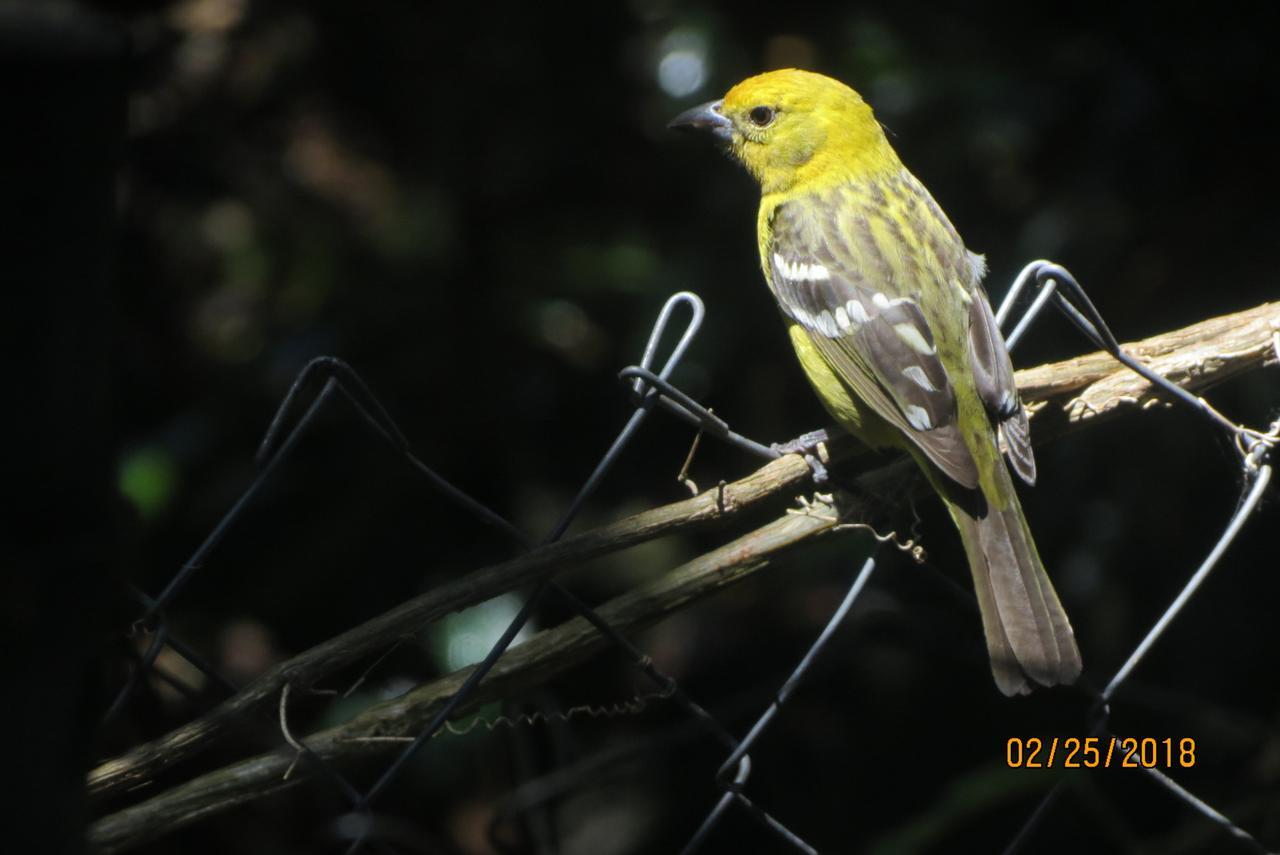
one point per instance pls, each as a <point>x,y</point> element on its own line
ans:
<point>813,447</point>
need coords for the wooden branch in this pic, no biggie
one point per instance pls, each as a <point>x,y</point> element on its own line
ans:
<point>306,669</point>
<point>1077,392</point>
<point>536,660</point>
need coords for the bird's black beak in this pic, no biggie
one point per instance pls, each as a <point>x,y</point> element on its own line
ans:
<point>705,117</point>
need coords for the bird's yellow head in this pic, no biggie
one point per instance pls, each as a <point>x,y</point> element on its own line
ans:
<point>795,129</point>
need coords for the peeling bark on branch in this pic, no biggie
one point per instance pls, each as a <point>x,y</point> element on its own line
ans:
<point>1064,395</point>
<point>1194,357</point>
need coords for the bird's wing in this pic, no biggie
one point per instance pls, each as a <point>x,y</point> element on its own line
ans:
<point>993,374</point>
<point>839,284</point>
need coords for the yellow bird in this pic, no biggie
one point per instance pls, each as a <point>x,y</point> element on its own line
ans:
<point>888,315</point>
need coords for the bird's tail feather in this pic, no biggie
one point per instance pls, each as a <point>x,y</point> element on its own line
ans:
<point>1028,634</point>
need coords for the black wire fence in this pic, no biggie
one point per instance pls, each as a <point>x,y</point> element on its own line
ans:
<point>362,828</point>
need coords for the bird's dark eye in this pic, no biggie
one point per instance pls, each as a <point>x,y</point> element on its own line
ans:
<point>761,116</point>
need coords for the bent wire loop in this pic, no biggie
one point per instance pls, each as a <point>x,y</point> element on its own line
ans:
<point>1048,277</point>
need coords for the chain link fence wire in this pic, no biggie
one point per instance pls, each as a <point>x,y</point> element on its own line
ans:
<point>362,828</point>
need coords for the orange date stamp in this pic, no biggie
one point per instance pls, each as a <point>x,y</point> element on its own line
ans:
<point>1099,752</point>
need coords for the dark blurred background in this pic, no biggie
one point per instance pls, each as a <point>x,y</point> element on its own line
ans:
<point>478,206</point>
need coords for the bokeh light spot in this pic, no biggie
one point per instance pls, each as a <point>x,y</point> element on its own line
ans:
<point>463,638</point>
<point>682,63</point>
<point>681,73</point>
<point>148,478</point>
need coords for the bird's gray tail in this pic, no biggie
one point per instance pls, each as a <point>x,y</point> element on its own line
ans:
<point>1028,634</point>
